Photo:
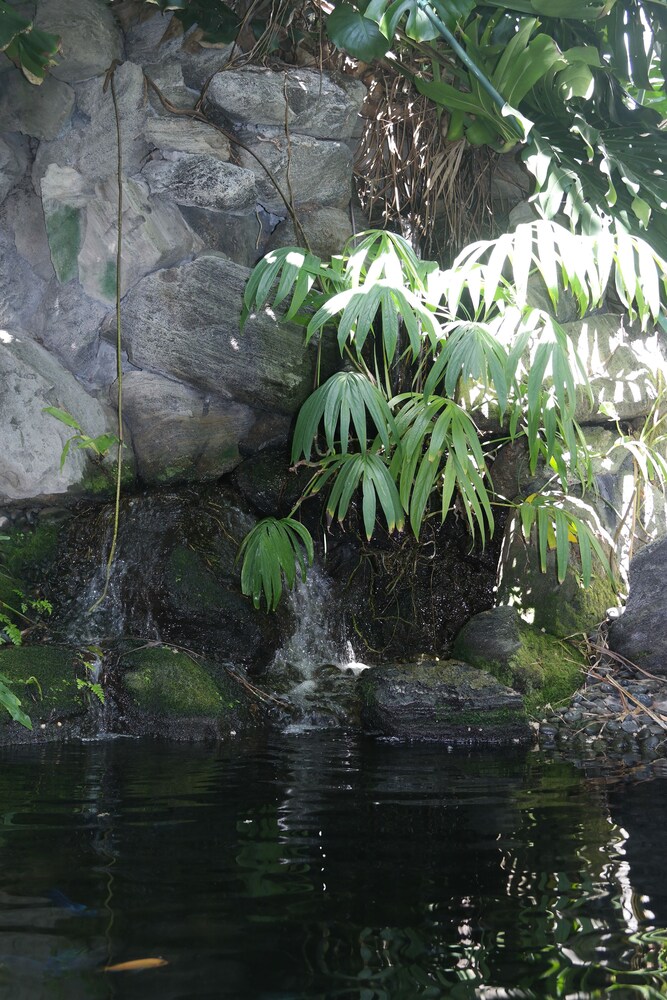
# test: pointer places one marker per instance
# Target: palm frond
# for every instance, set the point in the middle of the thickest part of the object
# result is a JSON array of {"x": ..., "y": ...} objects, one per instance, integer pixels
[
  {"x": 346, "y": 399},
  {"x": 273, "y": 553}
]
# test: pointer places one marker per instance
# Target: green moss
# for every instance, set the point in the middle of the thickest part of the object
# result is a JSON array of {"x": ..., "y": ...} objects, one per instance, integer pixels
[
  {"x": 545, "y": 670},
  {"x": 470, "y": 718},
  {"x": 108, "y": 283},
  {"x": 63, "y": 230},
  {"x": 100, "y": 480},
  {"x": 165, "y": 682},
  {"x": 53, "y": 693},
  {"x": 574, "y": 608}
]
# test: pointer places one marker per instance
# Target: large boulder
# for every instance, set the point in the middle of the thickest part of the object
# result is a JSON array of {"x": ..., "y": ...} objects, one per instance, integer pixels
[
  {"x": 184, "y": 322},
  {"x": 201, "y": 181},
  {"x": 171, "y": 695},
  {"x": 89, "y": 144},
  {"x": 640, "y": 633},
  {"x": 89, "y": 36},
  {"x": 305, "y": 101},
  {"x": 310, "y": 171},
  {"x": 41, "y": 112},
  {"x": 30, "y": 380},
  {"x": 448, "y": 702},
  {"x": 81, "y": 223},
  {"x": 180, "y": 433},
  {"x": 44, "y": 679}
]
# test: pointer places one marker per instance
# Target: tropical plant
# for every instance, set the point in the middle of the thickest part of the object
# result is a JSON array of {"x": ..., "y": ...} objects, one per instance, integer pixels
[
  {"x": 471, "y": 343},
  {"x": 98, "y": 445},
  {"x": 33, "y": 51},
  {"x": 579, "y": 86}
]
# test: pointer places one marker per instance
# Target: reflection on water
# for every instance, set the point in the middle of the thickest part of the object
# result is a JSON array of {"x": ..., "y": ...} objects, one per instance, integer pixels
[{"x": 321, "y": 867}]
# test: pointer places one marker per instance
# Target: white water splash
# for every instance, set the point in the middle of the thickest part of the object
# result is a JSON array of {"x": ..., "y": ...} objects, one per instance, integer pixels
[
  {"x": 318, "y": 638},
  {"x": 317, "y": 643}
]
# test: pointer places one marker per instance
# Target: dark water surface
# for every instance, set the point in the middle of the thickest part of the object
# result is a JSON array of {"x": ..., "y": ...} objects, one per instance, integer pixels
[{"x": 323, "y": 866}]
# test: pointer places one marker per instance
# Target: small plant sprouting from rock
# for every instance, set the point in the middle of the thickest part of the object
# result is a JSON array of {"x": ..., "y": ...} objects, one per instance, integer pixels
[{"x": 99, "y": 445}]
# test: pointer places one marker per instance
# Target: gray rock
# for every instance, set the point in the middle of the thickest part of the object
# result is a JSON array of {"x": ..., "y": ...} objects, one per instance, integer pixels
[
  {"x": 320, "y": 171},
  {"x": 184, "y": 135},
  {"x": 30, "y": 379},
  {"x": 449, "y": 702},
  {"x": 21, "y": 288},
  {"x": 180, "y": 433},
  {"x": 145, "y": 42},
  {"x": 81, "y": 223},
  {"x": 309, "y": 102},
  {"x": 640, "y": 634},
  {"x": 491, "y": 636},
  {"x": 526, "y": 658},
  {"x": 168, "y": 78},
  {"x": 201, "y": 181},
  {"x": 71, "y": 326},
  {"x": 327, "y": 231},
  {"x": 235, "y": 235},
  {"x": 621, "y": 368},
  {"x": 160, "y": 40},
  {"x": 184, "y": 322},
  {"x": 89, "y": 36},
  {"x": 41, "y": 112},
  {"x": 13, "y": 162},
  {"x": 89, "y": 144},
  {"x": 22, "y": 217}
]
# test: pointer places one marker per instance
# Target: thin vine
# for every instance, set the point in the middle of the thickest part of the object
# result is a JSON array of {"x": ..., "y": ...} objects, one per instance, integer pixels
[{"x": 109, "y": 82}]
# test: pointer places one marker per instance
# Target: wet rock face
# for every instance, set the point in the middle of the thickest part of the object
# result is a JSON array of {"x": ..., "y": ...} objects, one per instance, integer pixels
[{"x": 443, "y": 701}]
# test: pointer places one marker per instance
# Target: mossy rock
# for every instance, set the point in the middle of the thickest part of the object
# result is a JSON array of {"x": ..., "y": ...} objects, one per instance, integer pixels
[
  {"x": 172, "y": 690},
  {"x": 541, "y": 667},
  {"x": 43, "y": 678},
  {"x": 444, "y": 701},
  {"x": 30, "y": 553}
]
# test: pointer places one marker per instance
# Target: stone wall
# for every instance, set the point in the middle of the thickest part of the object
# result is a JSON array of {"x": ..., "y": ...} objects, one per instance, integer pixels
[{"x": 199, "y": 209}]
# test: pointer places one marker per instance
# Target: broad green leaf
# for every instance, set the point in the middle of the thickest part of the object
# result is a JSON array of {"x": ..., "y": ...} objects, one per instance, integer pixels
[
  {"x": 273, "y": 552},
  {"x": 12, "y": 704},
  {"x": 348, "y": 29}
]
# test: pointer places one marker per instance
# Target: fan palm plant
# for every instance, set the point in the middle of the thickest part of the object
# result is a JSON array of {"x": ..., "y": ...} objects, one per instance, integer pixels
[{"x": 472, "y": 325}]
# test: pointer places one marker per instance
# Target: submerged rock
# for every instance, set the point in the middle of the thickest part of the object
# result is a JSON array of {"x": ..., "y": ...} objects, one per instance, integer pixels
[{"x": 444, "y": 701}]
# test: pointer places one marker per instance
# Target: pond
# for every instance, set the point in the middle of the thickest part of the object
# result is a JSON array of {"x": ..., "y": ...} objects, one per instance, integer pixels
[{"x": 325, "y": 866}]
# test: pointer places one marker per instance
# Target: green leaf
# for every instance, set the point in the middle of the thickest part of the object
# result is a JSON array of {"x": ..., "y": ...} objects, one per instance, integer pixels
[
  {"x": 348, "y": 29},
  {"x": 12, "y": 704},
  {"x": 63, "y": 416},
  {"x": 273, "y": 551},
  {"x": 344, "y": 392}
]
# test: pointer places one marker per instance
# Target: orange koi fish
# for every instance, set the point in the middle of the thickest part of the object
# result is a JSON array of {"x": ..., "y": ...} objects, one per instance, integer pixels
[{"x": 136, "y": 965}]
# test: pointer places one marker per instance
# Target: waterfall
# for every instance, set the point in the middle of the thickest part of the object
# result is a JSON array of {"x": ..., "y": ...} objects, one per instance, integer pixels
[{"x": 314, "y": 667}]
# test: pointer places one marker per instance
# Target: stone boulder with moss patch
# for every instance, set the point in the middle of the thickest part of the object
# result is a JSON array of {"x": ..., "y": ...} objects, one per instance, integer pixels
[
  {"x": 441, "y": 701},
  {"x": 542, "y": 668},
  {"x": 171, "y": 694},
  {"x": 44, "y": 678}
]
